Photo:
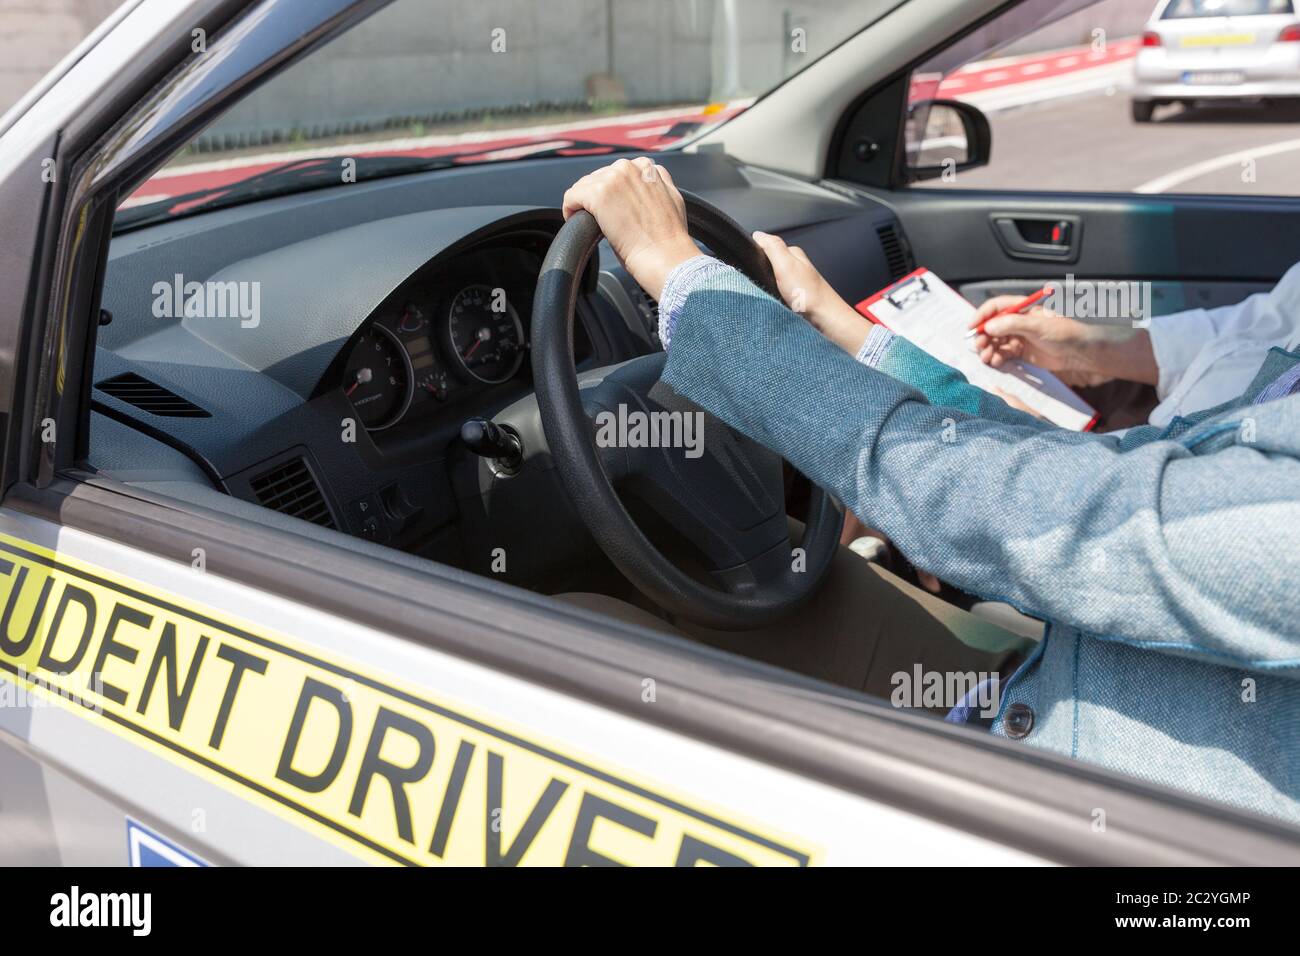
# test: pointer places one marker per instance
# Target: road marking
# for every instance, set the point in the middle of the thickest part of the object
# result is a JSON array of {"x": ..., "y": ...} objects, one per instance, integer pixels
[
  {"x": 518, "y": 152},
  {"x": 652, "y": 131},
  {"x": 1124, "y": 47},
  {"x": 1043, "y": 89},
  {"x": 1179, "y": 176},
  {"x": 141, "y": 199},
  {"x": 1016, "y": 81},
  {"x": 624, "y": 130},
  {"x": 472, "y": 138}
]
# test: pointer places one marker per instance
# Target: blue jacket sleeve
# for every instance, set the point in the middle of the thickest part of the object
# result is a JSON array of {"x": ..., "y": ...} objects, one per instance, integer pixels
[
  {"x": 941, "y": 384},
  {"x": 1150, "y": 545}
]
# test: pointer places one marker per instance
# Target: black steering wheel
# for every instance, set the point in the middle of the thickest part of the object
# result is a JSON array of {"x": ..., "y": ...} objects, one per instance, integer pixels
[{"x": 724, "y": 494}]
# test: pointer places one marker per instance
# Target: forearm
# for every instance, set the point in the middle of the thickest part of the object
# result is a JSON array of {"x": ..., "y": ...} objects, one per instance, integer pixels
[
  {"x": 1060, "y": 524},
  {"x": 871, "y": 344},
  {"x": 1126, "y": 356}
]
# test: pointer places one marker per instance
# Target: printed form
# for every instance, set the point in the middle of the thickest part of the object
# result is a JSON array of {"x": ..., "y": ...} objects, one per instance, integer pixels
[{"x": 927, "y": 312}]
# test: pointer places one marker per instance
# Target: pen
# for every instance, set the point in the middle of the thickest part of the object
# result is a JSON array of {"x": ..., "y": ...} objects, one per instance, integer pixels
[{"x": 1012, "y": 310}]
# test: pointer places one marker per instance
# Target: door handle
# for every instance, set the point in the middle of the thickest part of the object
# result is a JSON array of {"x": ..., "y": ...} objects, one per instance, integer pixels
[{"x": 1038, "y": 236}]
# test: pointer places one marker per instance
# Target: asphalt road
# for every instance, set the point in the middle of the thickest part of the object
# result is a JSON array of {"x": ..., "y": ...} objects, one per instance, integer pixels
[{"x": 1090, "y": 143}]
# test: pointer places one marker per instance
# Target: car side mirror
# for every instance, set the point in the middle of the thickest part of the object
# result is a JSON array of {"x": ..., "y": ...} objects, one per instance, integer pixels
[{"x": 945, "y": 137}]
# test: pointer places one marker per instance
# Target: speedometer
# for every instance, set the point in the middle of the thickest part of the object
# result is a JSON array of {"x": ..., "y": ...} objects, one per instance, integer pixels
[
  {"x": 484, "y": 334},
  {"x": 378, "y": 378}
]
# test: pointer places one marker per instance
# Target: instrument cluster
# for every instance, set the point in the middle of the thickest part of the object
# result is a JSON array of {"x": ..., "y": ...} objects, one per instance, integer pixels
[{"x": 455, "y": 332}]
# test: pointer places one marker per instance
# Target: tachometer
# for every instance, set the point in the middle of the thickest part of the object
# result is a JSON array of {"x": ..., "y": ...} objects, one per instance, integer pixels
[
  {"x": 485, "y": 334},
  {"x": 378, "y": 378}
]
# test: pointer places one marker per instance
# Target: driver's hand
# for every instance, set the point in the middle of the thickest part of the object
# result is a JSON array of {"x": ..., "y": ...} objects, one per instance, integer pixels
[
  {"x": 806, "y": 292},
  {"x": 1016, "y": 403},
  {"x": 1071, "y": 349},
  {"x": 642, "y": 215}
]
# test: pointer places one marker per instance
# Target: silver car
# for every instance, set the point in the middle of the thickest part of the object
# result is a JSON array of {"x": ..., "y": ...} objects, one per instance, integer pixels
[{"x": 1217, "y": 50}]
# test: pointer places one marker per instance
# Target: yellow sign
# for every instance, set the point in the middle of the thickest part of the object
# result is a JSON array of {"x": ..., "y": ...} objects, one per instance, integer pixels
[
  {"x": 1219, "y": 39},
  {"x": 380, "y": 769}
]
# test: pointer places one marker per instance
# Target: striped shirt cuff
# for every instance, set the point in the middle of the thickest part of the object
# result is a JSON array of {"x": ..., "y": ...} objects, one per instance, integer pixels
[
  {"x": 1286, "y": 384},
  {"x": 679, "y": 284},
  {"x": 873, "y": 349}
]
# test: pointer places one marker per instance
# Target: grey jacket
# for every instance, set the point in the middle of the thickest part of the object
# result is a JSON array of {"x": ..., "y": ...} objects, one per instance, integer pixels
[{"x": 1166, "y": 562}]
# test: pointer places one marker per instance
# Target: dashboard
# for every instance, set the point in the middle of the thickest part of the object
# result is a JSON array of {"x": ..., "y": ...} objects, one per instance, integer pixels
[
  {"x": 447, "y": 336},
  {"x": 387, "y": 314}
]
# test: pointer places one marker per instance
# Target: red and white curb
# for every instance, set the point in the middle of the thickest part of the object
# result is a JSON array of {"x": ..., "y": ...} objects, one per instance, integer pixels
[
  {"x": 644, "y": 130},
  {"x": 1008, "y": 82},
  {"x": 991, "y": 85}
]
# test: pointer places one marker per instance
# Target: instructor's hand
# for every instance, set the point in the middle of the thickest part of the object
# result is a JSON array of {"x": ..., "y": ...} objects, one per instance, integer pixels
[
  {"x": 1073, "y": 350},
  {"x": 642, "y": 215}
]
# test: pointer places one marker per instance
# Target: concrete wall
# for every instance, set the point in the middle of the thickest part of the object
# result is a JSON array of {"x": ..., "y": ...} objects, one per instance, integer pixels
[
  {"x": 36, "y": 34},
  {"x": 431, "y": 61},
  {"x": 434, "y": 60}
]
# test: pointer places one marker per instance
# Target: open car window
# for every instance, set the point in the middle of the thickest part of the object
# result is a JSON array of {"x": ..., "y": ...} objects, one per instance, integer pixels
[
  {"x": 1140, "y": 96},
  {"x": 424, "y": 85}
]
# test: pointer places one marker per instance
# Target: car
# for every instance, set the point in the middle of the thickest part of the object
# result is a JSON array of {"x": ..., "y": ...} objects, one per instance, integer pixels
[
  {"x": 1217, "y": 51},
  {"x": 308, "y": 551}
]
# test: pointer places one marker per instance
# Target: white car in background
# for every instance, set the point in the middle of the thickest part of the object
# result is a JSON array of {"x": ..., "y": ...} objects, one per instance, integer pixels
[{"x": 1217, "y": 50}]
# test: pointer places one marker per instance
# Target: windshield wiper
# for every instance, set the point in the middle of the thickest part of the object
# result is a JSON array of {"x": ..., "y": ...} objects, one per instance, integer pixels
[{"x": 320, "y": 172}]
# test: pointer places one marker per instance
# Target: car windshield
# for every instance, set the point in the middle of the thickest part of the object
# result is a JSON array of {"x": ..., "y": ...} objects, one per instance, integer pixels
[
  {"x": 1191, "y": 9},
  {"x": 434, "y": 83}
]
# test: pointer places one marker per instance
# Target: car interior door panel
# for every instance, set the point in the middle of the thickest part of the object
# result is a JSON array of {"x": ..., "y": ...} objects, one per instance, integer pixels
[{"x": 1213, "y": 239}]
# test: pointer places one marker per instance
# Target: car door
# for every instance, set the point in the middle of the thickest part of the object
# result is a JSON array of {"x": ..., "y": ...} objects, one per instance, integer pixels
[
  {"x": 191, "y": 687},
  {"x": 1199, "y": 206}
]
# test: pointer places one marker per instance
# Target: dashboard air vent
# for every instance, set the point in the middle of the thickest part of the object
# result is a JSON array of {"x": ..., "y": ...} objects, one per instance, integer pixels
[
  {"x": 291, "y": 489},
  {"x": 150, "y": 397},
  {"x": 649, "y": 310},
  {"x": 898, "y": 255}
]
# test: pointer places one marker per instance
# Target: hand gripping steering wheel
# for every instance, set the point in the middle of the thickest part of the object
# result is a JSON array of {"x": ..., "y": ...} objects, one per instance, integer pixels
[{"x": 726, "y": 496}]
